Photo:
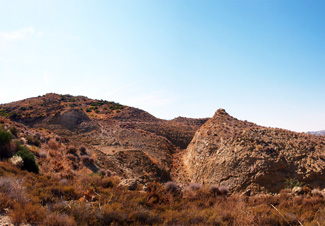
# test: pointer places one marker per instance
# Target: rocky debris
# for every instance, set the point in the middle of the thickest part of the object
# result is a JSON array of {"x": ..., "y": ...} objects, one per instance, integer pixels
[
  {"x": 16, "y": 161},
  {"x": 6, "y": 221},
  {"x": 297, "y": 190},
  {"x": 316, "y": 192},
  {"x": 131, "y": 184},
  {"x": 247, "y": 192},
  {"x": 137, "y": 164},
  {"x": 71, "y": 119},
  {"x": 241, "y": 155}
]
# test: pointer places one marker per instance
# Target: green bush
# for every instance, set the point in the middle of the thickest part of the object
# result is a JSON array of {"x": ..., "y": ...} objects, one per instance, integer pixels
[
  {"x": 6, "y": 149},
  {"x": 5, "y": 137},
  {"x": 293, "y": 182},
  {"x": 29, "y": 160}
]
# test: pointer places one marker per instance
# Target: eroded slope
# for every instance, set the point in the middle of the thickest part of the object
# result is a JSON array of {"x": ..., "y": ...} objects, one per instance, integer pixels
[{"x": 240, "y": 154}]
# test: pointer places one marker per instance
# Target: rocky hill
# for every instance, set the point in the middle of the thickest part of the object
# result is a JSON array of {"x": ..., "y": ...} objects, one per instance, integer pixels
[
  {"x": 136, "y": 145},
  {"x": 126, "y": 140},
  {"x": 243, "y": 155},
  {"x": 71, "y": 160}
]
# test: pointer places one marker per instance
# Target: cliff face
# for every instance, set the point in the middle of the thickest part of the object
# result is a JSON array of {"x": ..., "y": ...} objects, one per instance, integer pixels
[{"x": 243, "y": 155}]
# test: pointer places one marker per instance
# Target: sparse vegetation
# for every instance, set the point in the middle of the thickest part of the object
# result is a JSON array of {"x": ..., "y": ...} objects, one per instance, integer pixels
[{"x": 95, "y": 200}]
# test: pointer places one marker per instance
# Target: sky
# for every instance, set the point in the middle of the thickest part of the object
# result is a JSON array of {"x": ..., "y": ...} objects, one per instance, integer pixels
[{"x": 261, "y": 60}]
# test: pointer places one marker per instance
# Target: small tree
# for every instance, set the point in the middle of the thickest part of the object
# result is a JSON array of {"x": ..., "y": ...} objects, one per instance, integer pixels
[
  {"x": 29, "y": 160},
  {"x": 5, "y": 137},
  {"x": 6, "y": 150}
]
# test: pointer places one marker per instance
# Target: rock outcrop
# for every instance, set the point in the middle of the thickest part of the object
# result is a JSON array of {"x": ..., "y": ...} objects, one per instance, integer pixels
[{"x": 242, "y": 155}]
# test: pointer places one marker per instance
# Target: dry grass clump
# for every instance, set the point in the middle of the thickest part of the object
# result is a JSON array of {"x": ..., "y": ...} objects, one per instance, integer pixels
[
  {"x": 53, "y": 144},
  {"x": 72, "y": 150},
  {"x": 194, "y": 186},
  {"x": 102, "y": 172},
  {"x": 27, "y": 213},
  {"x": 71, "y": 157},
  {"x": 219, "y": 190},
  {"x": 42, "y": 154},
  {"x": 109, "y": 173},
  {"x": 171, "y": 186},
  {"x": 87, "y": 159},
  {"x": 56, "y": 219},
  {"x": 223, "y": 190},
  {"x": 82, "y": 149}
]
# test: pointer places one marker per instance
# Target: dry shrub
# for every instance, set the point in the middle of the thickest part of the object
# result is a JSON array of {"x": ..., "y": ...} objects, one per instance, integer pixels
[
  {"x": 72, "y": 150},
  {"x": 82, "y": 149},
  {"x": 34, "y": 213},
  {"x": 87, "y": 159},
  {"x": 33, "y": 140},
  {"x": 5, "y": 201},
  {"x": 71, "y": 157},
  {"x": 12, "y": 187},
  {"x": 14, "y": 131},
  {"x": 115, "y": 180},
  {"x": 27, "y": 213},
  {"x": 214, "y": 189},
  {"x": 56, "y": 219},
  {"x": 75, "y": 165},
  {"x": 107, "y": 183},
  {"x": 17, "y": 215},
  {"x": 223, "y": 190},
  {"x": 42, "y": 154},
  {"x": 102, "y": 172},
  {"x": 67, "y": 192},
  {"x": 194, "y": 186},
  {"x": 83, "y": 213},
  {"x": 53, "y": 144},
  {"x": 111, "y": 214},
  {"x": 64, "y": 181},
  {"x": 109, "y": 173},
  {"x": 171, "y": 186},
  {"x": 316, "y": 192}
]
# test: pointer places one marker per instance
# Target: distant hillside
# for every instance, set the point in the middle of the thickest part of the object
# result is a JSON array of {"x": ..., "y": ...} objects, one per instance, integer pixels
[{"x": 320, "y": 133}]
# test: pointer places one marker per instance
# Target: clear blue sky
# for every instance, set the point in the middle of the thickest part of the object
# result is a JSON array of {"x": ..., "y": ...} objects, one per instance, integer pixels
[{"x": 263, "y": 61}]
